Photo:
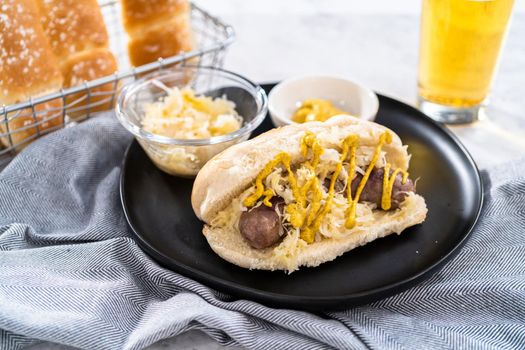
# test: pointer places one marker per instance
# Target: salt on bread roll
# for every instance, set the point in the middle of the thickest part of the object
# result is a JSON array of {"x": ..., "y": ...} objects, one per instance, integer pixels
[
  {"x": 156, "y": 29},
  {"x": 225, "y": 177},
  {"x": 28, "y": 68},
  {"x": 73, "y": 26},
  {"x": 79, "y": 39},
  {"x": 87, "y": 66}
]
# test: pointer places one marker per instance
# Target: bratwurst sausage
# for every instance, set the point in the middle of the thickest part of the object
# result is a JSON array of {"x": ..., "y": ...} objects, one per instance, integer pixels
[
  {"x": 261, "y": 226},
  {"x": 373, "y": 190}
]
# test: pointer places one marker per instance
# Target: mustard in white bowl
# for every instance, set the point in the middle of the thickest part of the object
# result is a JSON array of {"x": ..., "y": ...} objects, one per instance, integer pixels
[{"x": 318, "y": 97}]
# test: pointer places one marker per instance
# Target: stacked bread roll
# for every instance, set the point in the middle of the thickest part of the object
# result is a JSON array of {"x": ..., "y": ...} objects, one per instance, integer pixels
[
  {"x": 47, "y": 45},
  {"x": 28, "y": 68},
  {"x": 78, "y": 37},
  {"x": 156, "y": 29}
]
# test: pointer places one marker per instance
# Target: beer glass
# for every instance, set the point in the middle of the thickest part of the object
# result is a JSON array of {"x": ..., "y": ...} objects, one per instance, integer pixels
[{"x": 460, "y": 44}]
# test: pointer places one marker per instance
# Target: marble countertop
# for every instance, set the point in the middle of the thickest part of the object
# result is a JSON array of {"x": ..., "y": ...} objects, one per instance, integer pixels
[
  {"x": 381, "y": 52},
  {"x": 377, "y": 46}
]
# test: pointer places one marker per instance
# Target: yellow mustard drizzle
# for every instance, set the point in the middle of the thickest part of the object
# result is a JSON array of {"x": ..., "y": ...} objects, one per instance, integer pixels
[
  {"x": 310, "y": 224},
  {"x": 259, "y": 187},
  {"x": 385, "y": 137},
  {"x": 309, "y": 143},
  {"x": 296, "y": 210},
  {"x": 349, "y": 144},
  {"x": 268, "y": 194},
  {"x": 388, "y": 185}
]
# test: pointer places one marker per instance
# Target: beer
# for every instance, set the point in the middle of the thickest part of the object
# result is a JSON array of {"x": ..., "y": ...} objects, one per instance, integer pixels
[{"x": 459, "y": 48}]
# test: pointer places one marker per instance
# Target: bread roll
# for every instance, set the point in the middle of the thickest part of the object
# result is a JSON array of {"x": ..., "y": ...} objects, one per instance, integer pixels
[
  {"x": 28, "y": 68},
  {"x": 156, "y": 29},
  {"x": 226, "y": 177},
  {"x": 161, "y": 41},
  {"x": 73, "y": 26},
  {"x": 26, "y": 125},
  {"x": 138, "y": 14},
  {"x": 86, "y": 66},
  {"x": 79, "y": 39}
]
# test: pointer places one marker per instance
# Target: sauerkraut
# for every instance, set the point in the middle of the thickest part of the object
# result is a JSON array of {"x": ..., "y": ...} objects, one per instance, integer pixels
[{"x": 183, "y": 115}]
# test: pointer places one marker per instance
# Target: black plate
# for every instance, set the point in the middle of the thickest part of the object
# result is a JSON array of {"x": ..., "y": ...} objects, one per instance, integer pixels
[{"x": 158, "y": 210}]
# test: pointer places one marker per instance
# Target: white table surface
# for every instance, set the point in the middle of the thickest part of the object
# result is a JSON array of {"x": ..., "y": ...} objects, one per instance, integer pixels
[{"x": 375, "y": 43}]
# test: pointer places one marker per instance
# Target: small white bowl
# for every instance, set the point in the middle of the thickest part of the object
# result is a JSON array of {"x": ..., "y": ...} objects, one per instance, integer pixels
[{"x": 345, "y": 94}]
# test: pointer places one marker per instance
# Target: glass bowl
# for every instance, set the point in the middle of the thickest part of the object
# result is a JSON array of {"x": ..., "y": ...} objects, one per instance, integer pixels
[{"x": 185, "y": 157}]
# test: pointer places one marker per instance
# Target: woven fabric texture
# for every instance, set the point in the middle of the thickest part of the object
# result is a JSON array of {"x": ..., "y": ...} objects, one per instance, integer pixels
[{"x": 71, "y": 273}]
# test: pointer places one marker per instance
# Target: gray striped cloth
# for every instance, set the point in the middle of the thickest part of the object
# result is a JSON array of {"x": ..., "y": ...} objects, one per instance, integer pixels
[{"x": 71, "y": 274}]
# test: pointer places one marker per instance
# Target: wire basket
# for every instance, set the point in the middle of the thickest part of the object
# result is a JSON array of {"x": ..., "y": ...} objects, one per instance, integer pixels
[{"x": 45, "y": 114}]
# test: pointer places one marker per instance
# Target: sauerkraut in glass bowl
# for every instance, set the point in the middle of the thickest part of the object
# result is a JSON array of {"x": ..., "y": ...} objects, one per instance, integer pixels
[{"x": 184, "y": 116}]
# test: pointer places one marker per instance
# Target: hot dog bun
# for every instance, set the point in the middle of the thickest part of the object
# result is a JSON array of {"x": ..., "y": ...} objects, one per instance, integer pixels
[
  {"x": 231, "y": 246},
  {"x": 230, "y": 173}
]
